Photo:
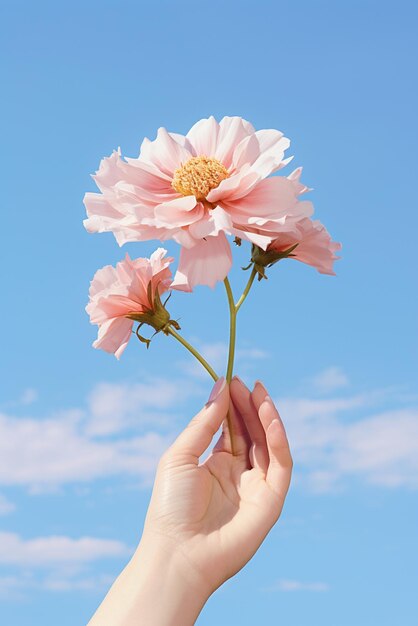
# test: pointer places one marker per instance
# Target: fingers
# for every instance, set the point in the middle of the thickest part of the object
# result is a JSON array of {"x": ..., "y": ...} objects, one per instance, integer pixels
[
  {"x": 280, "y": 460},
  {"x": 241, "y": 398},
  {"x": 241, "y": 439},
  {"x": 258, "y": 394},
  {"x": 197, "y": 436},
  {"x": 280, "y": 469}
]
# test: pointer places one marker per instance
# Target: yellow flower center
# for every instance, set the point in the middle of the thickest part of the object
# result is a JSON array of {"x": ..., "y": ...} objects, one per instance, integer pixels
[{"x": 198, "y": 176}]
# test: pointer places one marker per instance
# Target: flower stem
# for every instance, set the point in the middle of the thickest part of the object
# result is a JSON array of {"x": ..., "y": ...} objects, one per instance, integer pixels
[
  {"x": 233, "y": 310},
  {"x": 193, "y": 350},
  {"x": 246, "y": 290},
  {"x": 232, "y": 329}
]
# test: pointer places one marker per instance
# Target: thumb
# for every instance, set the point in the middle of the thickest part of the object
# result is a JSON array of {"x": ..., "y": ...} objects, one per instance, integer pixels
[{"x": 197, "y": 436}]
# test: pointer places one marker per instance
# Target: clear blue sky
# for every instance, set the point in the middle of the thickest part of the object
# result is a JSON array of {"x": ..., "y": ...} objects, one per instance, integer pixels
[{"x": 80, "y": 432}]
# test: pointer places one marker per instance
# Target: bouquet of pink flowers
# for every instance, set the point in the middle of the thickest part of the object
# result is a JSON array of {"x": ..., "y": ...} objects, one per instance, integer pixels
[{"x": 197, "y": 189}]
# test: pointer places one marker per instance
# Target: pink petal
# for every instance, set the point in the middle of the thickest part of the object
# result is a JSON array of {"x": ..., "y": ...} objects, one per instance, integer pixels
[
  {"x": 271, "y": 197},
  {"x": 203, "y": 137},
  {"x": 165, "y": 152},
  {"x": 114, "y": 335},
  {"x": 211, "y": 224},
  {"x": 246, "y": 152},
  {"x": 315, "y": 246},
  {"x": 101, "y": 214},
  {"x": 206, "y": 263},
  {"x": 179, "y": 212},
  {"x": 235, "y": 186},
  {"x": 109, "y": 171},
  {"x": 232, "y": 130},
  {"x": 259, "y": 239}
]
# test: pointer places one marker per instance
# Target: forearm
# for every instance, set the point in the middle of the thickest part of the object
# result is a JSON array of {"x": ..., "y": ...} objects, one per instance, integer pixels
[{"x": 156, "y": 588}]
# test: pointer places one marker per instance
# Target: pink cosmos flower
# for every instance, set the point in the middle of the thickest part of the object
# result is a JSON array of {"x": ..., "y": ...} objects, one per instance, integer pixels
[
  {"x": 197, "y": 188},
  {"x": 129, "y": 292},
  {"x": 308, "y": 242}
]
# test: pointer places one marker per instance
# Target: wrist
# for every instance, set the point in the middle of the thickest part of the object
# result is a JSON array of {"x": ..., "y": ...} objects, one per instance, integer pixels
[
  {"x": 169, "y": 589},
  {"x": 158, "y": 587}
]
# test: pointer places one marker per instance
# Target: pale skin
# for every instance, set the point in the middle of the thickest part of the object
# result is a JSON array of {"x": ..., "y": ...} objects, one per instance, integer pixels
[{"x": 205, "y": 520}]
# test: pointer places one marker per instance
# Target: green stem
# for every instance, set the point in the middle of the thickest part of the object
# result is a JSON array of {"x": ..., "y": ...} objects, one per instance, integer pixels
[
  {"x": 232, "y": 329},
  {"x": 246, "y": 290},
  {"x": 233, "y": 310},
  {"x": 193, "y": 350}
]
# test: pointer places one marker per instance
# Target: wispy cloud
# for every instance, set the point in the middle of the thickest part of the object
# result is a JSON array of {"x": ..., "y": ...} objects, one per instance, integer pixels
[
  {"x": 6, "y": 506},
  {"x": 53, "y": 550},
  {"x": 55, "y": 563},
  {"x": 15, "y": 587},
  {"x": 124, "y": 429},
  {"x": 330, "y": 379},
  {"x": 55, "y": 451},
  {"x": 331, "y": 443},
  {"x": 29, "y": 396},
  {"x": 217, "y": 355},
  {"x": 297, "y": 585},
  {"x": 113, "y": 407}
]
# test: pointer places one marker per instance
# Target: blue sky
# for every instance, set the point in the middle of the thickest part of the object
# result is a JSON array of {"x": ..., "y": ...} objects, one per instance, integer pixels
[{"x": 80, "y": 432}]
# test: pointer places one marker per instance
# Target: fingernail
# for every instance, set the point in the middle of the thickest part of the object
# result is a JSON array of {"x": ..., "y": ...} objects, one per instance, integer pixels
[
  {"x": 218, "y": 388},
  {"x": 260, "y": 384},
  {"x": 237, "y": 378},
  {"x": 275, "y": 425}
]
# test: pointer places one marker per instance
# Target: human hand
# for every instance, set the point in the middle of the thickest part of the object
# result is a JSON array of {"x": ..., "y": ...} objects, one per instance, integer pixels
[
  {"x": 205, "y": 521},
  {"x": 216, "y": 514}
]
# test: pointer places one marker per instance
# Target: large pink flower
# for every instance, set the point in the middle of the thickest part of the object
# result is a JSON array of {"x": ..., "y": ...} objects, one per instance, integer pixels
[
  {"x": 197, "y": 188},
  {"x": 130, "y": 291},
  {"x": 308, "y": 241}
]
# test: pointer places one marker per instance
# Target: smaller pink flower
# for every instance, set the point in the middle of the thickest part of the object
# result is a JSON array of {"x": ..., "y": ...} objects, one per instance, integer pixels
[
  {"x": 129, "y": 292},
  {"x": 308, "y": 241}
]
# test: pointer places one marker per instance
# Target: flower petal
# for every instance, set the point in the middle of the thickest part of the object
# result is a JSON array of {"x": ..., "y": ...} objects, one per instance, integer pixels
[
  {"x": 314, "y": 245},
  {"x": 271, "y": 197},
  {"x": 101, "y": 214},
  {"x": 235, "y": 186},
  {"x": 206, "y": 263},
  {"x": 211, "y": 224},
  {"x": 178, "y": 212},
  {"x": 113, "y": 335},
  {"x": 164, "y": 152},
  {"x": 232, "y": 130},
  {"x": 203, "y": 137}
]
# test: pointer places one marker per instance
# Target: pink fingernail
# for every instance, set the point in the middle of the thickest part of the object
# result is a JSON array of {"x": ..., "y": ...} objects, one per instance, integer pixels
[
  {"x": 238, "y": 379},
  {"x": 258, "y": 382},
  {"x": 218, "y": 388}
]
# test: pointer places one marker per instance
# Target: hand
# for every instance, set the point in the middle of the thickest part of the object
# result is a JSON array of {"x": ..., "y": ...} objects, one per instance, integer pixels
[
  {"x": 205, "y": 521},
  {"x": 217, "y": 514}
]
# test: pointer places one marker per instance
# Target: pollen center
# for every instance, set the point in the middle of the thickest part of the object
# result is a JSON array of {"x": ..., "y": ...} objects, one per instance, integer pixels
[{"x": 198, "y": 176}]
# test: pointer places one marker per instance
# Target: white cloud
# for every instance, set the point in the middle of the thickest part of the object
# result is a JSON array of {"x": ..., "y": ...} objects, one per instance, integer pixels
[
  {"x": 113, "y": 407},
  {"x": 125, "y": 428},
  {"x": 330, "y": 379},
  {"x": 59, "y": 583},
  {"x": 29, "y": 396},
  {"x": 57, "y": 550},
  {"x": 217, "y": 356},
  {"x": 296, "y": 585},
  {"x": 15, "y": 587},
  {"x": 330, "y": 445},
  {"x": 6, "y": 506},
  {"x": 55, "y": 563},
  {"x": 55, "y": 451}
]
